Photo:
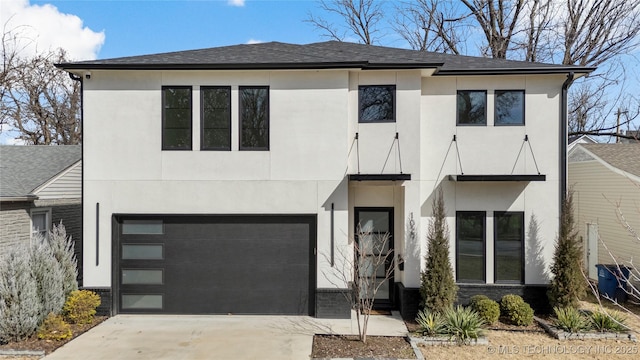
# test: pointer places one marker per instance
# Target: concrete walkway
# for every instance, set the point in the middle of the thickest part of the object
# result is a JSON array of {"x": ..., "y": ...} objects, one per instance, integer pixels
[{"x": 213, "y": 337}]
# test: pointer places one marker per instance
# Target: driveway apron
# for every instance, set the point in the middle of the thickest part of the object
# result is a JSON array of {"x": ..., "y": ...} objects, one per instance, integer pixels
[{"x": 213, "y": 336}]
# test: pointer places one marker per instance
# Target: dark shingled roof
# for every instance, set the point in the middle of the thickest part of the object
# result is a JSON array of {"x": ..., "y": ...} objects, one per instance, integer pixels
[
  {"x": 24, "y": 168},
  {"x": 625, "y": 157},
  {"x": 322, "y": 55}
]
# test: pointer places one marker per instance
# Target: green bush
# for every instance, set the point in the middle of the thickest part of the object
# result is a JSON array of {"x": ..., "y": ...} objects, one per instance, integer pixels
[
  {"x": 570, "y": 319},
  {"x": 488, "y": 310},
  {"x": 81, "y": 306},
  {"x": 463, "y": 324},
  {"x": 475, "y": 298},
  {"x": 438, "y": 287},
  {"x": 516, "y": 310},
  {"x": 431, "y": 323},
  {"x": 54, "y": 328},
  {"x": 567, "y": 283},
  {"x": 602, "y": 321}
]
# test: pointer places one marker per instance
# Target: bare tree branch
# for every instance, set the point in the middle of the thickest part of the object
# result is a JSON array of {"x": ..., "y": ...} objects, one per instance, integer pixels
[{"x": 361, "y": 18}]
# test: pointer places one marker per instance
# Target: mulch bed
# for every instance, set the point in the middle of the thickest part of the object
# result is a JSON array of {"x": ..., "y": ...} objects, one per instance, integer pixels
[
  {"x": 343, "y": 346},
  {"x": 48, "y": 346}
]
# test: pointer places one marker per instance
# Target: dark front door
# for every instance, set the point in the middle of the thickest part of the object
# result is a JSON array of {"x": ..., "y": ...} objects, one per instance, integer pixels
[
  {"x": 374, "y": 233},
  {"x": 215, "y": 264}
]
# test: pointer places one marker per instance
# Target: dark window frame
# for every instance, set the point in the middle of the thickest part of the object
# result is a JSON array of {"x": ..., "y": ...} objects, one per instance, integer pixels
[
  {"x": 190, "y": 88},
  {"x": 495, "y": 248},
  {"x": 202, "y": 144},
  {"x": 240, "y": 119},
  {"x": 393, "y": 92},
  {"x": 484, "y": 248},
  {"x": 495, "y": 106},
  {"x": 458, "y": 112}
]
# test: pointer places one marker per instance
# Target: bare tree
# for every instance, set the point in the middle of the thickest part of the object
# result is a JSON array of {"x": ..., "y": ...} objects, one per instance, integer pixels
[
  {"x": 360, "y": 19},
  {"x": 570, "y": 32},
  {"x": 38, "y": 101},
  {"x": 360, "y": 270}
]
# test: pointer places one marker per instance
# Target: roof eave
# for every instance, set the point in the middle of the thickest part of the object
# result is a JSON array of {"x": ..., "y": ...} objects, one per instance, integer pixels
[
  {"x": 29, "y": 197},
  {"x": 519, "y": 71},
  {"x": 365, "y": 65}
]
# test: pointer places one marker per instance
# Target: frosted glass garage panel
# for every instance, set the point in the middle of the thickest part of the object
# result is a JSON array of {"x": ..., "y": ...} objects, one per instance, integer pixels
[
  {"x": 142, "y": 227},
  {"x": 141, "y": 301},
  {"x": 142, "y": 276},
  {"x": 142, "y": 252}
]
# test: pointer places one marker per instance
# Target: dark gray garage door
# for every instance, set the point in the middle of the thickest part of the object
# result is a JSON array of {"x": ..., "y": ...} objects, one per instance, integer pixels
[{"x": 214, "y": 264}]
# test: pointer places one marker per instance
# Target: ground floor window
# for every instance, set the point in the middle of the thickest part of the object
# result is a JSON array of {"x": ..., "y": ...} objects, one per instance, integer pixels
[
  {"x": 509, "y": 250},
  {"x": 470, "y": 246},
  {"x": 40, "y": 223}
]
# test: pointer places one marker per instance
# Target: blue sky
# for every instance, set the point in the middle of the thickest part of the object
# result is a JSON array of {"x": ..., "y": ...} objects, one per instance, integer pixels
[{"x": 152, "y": 26}]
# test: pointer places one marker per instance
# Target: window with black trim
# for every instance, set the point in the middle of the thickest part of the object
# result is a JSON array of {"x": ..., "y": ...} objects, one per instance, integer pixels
[
  {"x": 254, "y": 117},
  {"x": 509, "y": 107},
  {"x": 176, "y": 118},
  {"x": 471, "y": 107},
  {"x": 376, "y": 103},
  {"x": 470, "y": 246},
  {"x": 509, "y": 247},
  {"x": 215, "y": 119}
]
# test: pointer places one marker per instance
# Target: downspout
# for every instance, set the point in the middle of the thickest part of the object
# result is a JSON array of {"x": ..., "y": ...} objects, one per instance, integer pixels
[
  {"x": 75, "y": 77},
  {"x": 563, "y": 135}
]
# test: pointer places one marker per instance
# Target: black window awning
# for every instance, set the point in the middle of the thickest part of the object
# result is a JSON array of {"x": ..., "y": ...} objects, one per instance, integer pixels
[
  {"x": 379, "y": 177},
  {"x": 493, "y": 177}
]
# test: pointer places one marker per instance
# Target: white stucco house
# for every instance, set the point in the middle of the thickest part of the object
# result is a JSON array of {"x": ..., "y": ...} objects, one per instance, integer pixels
[{"x": 232, "y": 179}]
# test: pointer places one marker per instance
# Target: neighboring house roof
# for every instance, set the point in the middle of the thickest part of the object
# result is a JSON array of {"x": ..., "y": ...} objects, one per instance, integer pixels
[
  {"x": 581, "y": 139},
  {"x": 322, "y": 55},
  {"x": 624, "y": 157},
  {"x": 25, "y": 168}
]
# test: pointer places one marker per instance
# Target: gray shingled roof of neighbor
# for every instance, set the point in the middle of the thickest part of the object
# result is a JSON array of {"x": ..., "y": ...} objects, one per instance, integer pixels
[
  {"x": 322, "y": 55},
  {"x": 24, "y": 168},
  {"x": 625, "y": 157}
]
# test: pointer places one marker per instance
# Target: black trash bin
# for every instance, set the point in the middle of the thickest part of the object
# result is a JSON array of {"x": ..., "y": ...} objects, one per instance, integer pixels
[{"x": 612, "y": 281}]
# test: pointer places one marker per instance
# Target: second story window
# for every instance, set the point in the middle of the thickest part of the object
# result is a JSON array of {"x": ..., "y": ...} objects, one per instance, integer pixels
[
  {"x": 254, "y": 117},
  {"x": 509, "y": 107},
  {"x": 215, "y": 133},
  {"x": 176, "y": 118},
  {"x": 376, "y": 103},
  {"x": 472, "y": 107}
]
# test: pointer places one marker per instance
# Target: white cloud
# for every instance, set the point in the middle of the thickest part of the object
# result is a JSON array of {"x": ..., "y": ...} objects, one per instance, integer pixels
[
  {"x": 235, "y": 2},
  {"x": 43, "y": 28},
  {"x": 254, "y": 41}
]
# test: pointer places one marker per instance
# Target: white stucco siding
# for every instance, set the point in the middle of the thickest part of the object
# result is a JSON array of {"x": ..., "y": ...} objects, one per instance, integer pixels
[
  {"x": 493, "y": 150},
  {"x": 376, "y": 151},
  {"x": 130, "y": 174}
]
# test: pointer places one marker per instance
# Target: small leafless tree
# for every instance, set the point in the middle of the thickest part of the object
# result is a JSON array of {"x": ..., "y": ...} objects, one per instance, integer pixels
[{"x": 365, "y": 267}]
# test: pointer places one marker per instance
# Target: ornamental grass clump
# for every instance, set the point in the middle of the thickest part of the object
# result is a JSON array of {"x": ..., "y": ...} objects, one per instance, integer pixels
[
  {"x": 570, "y": 319},
  {"x": 431, "y": 323},
  {"x": 463, "y": 324},
  {"x": 613, "y": 321}
]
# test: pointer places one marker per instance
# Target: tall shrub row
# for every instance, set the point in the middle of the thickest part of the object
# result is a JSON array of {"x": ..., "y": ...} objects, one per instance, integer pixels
[{"x": 35, "y": 281}]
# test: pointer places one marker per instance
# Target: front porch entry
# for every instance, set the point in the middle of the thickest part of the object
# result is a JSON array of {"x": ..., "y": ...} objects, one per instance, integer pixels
[{"x": 374, "y": 233}]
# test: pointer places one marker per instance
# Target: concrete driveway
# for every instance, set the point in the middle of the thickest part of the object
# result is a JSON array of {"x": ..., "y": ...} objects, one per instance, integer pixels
[{"x": 212, "y": 337}]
